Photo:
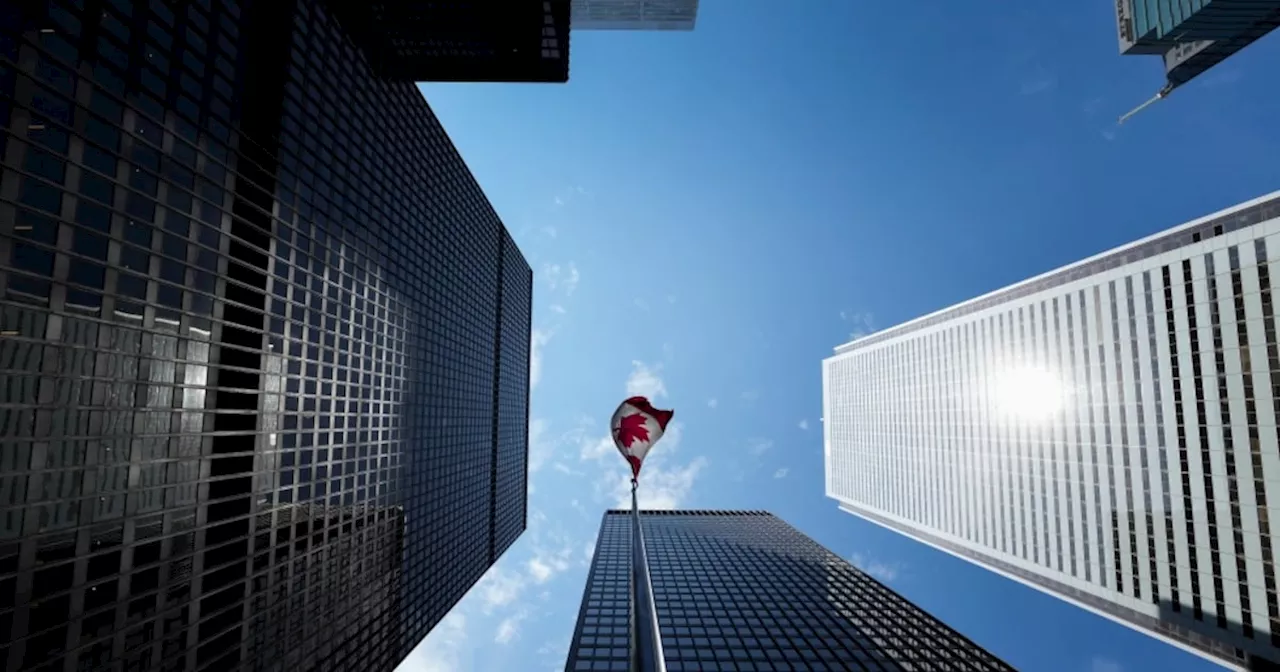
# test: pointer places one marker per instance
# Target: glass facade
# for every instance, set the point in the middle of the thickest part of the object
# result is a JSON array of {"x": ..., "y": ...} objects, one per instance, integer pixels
[
  {"x": 461, "y": 40},
  {"x": 264, "y": 345},
  {"x": 1105, "y": 432},
  {"x": 634, "y": 14},
  {"x": 744, "y": 591},
  {"x": 1192, "y": 35}
]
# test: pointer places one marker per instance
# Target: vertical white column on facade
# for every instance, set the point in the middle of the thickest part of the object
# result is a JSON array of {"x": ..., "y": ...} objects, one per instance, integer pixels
[
  {"x": 1174, "y": 307},
  {"x": 1053, "y": 440},
  {"x": 881, "y": 457},
  {"x": 1113, "y": 512},
  {"x": 1149, "y": 436},
  {"x": 975, "y": 485},
  {"x": 991, "y": 432},
  {"x": 1221, "y": 424},
  {"x": 933, "y": 433},
  {"x": 1216, "y": 508},
  {"x": 1070, "y": 358},
  {"x": 1065, "y": 435},
  {"x": 1267, "y": 419},
  {"x": 1100, "y": 473},
  {"x": 1257, "y": 365},
  {"x": 904, "y": 504},
  {"x": 960, "y": 420},
  {"x": 1036, "y": 450},
  {"x": 1045, "y": 467},
  {"x": 1133, "y": 520},
  {"x": 1089, "y": 548},
  {"x": 947, "y": 495},
  {"x": 1020, "y": 445},
  {"x": 920, "y": 396},
  {"x": 1199, "y": 511},
  {"x": 1008, "y": 487}
]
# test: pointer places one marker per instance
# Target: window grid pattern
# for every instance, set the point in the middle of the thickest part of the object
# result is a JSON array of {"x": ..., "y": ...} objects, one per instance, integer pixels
[
  {"x": 1150, "y": 361},
  {"x": 265, "y": 398},
  {"x": 742, "y": 590}
]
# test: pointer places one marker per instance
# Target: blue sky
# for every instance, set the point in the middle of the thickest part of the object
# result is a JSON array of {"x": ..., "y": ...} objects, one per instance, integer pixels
[{"x": 708, "y": 214}]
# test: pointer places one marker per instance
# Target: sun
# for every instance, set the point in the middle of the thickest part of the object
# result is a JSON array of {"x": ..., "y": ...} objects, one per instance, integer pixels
[{"x": 1028, "y": 393}]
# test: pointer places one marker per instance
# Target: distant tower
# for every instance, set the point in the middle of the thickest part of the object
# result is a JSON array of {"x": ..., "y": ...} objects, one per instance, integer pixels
[
  {"x": 1105, "y": 432},
  {"x": 744, "y": 590},
  {"x": 633, "y": 14},
  {"x": 1192, "y": 35}
]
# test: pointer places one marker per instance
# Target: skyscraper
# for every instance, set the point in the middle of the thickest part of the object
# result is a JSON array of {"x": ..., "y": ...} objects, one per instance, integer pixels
[
  {"x": 263, "y": 341},
  {"x": 1192, "y": 35},
  {"x": 634, "y": 14},
  {"x": 742, "y": 590},
  {"x": 1105, "y": 432}
]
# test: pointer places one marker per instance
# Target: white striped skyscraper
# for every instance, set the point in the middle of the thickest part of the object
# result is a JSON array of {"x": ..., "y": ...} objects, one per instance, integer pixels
[{"x": 1105, "y": 432}]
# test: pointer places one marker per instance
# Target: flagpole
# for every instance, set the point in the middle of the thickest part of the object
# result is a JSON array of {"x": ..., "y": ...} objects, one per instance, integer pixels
[{"x": 647, "y": 655}]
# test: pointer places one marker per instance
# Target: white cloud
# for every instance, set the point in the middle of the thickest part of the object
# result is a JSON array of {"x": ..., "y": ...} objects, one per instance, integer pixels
[
  {"x": 781, "y": 473},
  {"x": 663, "y": 484},
  {"x": 498, "y": 588},
  {"x": 862, "y": 324},
  {"x": 645, "y": 381},
  {"x": 1101, "y": 664},
  {"x": 537, "y": 339},
  {"x": 549, "y": 231},
  {"x": 568, "y": 196},
  {"x": 539, "y": 446},
  {"x": 1109, "y": 135},
  {"x": 557, "y": 309},
  {"x": 544, "y": 565},
  {"x": 594, "y": 448},
  {"x": 561, "y": 277},
  {"x": 588, "y": 551},
  {"x": 442, "y": 650},
  {"x": 804, "y": 424},
  {"x": 509, "y": 628},
  {"x": 641, "y": 304},
  {"x": 1043, "y": 81},
  {"x": 759, "y": 446},
  {"x": 660, "y": 487},
  {"x": 566, "y": 469},
  {"x": 1092, "y": 106},
  {"x": 712, "y": 402},
  {"x": 750, "y": 395},
  {"x": 881, "y": 571}
]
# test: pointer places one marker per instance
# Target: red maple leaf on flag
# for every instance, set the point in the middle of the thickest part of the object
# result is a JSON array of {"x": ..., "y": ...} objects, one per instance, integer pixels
[{"x": 632, "y": 428}]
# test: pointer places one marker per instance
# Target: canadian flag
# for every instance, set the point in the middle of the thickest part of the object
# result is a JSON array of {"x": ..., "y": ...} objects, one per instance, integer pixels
[{"x": 636, "y": 426}]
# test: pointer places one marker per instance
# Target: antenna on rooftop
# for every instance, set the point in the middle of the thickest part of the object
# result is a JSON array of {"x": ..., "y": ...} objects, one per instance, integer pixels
[{"x": 1168, "y": 88}]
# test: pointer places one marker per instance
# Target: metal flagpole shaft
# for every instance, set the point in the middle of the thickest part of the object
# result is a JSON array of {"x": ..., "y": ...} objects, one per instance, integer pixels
[{"x": 646, "y": 640}]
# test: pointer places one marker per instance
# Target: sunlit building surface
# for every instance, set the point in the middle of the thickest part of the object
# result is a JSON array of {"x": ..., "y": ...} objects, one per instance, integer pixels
[
  {"x": 633, "y": 14},
  {"x": 1105, "y": 432},
  {"x": 264, "y": 345},
  {"x": 1192, "y": 35},
  {"x": 743, "y": 590}
]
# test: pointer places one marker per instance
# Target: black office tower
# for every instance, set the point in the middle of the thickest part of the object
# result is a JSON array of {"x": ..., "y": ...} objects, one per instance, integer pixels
[
  {"x": 743, "y": 590},
  {"x": 264, "y": 344}
]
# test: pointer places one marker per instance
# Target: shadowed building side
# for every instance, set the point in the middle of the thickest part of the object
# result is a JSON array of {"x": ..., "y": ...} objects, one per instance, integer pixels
[
  {"x": 265, "y": 345},
  {"x": 744, "y": 590}
]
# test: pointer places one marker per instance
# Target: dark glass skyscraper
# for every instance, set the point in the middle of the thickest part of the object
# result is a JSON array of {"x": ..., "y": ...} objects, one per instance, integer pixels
[
  {"x": 264, "y": 343},
  {"x": 744, "y": 591},
  {"x": 1192, "y": 35}
]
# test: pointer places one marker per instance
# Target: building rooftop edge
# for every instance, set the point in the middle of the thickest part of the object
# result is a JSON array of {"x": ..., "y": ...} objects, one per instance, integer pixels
[
  {"x": 690, "y": 512},
  {"x": 906, "y": 326}
]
